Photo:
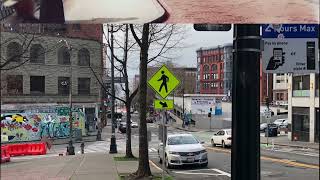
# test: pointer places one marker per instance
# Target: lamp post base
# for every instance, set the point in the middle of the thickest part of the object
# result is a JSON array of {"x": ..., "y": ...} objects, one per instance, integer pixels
[
  {"x": 113, "y": 145},
  {"x": 70, "y": 149},
  {"x": 99, "y": 135}
]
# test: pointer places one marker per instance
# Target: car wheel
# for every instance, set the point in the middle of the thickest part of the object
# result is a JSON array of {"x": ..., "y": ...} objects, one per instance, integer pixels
[
  {"x": 212, "y": 143},
  {"x": 168, "y": 166},
  {"x": 223, "y": 144}
]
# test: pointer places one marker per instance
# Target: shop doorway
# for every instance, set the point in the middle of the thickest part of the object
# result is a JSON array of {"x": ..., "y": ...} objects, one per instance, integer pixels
[
  {"x": 300, "y": 124},
  {"x": 317, "y": 124}
]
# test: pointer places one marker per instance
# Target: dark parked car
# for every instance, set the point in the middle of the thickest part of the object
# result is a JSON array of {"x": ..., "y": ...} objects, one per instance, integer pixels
[
  {"x": 263, "y": 126},
  {"x": 123, "y": 127}
]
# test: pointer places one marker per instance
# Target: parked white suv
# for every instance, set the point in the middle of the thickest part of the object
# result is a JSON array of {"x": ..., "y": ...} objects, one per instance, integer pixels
[
  {"x": 222, "y": 137},
  {"x": 281, "y": 122}
]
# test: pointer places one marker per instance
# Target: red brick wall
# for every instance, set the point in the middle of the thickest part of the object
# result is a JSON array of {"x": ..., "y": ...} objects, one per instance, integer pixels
[
  {"x": 86, "y": 31},
  {"x": 218, "y": 90}
]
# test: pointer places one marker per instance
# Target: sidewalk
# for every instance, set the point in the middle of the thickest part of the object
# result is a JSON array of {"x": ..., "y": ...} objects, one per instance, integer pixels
[
  {"x": 284, "y": 141},
  {"x": 279, "y": 140},
  {"x": 93, "y": 166}
]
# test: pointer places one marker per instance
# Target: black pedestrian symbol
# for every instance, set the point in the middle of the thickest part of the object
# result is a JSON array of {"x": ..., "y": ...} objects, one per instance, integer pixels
[
  {"x": 163, "y": 104},
  {"x": 164, "y": 80}
]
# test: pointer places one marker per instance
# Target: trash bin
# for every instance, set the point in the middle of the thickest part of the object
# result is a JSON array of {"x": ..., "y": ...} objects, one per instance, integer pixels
[
  {"x": 271, "y": 132},
  {"x": 78, "y": 134}
]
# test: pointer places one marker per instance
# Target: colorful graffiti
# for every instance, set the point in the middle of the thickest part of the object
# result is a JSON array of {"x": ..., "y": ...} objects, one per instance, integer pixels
[{"x": 34, "y": 126}]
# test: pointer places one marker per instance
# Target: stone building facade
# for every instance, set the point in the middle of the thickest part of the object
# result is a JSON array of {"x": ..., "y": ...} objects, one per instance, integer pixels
[{"x": 41, "y": 67}]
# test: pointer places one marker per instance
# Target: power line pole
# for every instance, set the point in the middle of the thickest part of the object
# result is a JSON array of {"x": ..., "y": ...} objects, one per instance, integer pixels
[
  {"x": 113, "y": 144},
  {"x": 245, "y": 156}
]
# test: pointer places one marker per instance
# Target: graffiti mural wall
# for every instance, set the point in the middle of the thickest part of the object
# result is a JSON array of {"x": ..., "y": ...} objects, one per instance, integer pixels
[{"x": 34, "y": 126}]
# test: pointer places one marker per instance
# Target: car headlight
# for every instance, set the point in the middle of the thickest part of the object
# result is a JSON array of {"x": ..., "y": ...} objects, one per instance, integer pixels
[
  {"x": 203, "y": 151},
  {"x": 172, "y": 152}
]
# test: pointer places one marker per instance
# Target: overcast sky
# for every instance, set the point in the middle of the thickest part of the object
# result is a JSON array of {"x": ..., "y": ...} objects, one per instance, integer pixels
[
  {"x": 198, "y": 39},
  {"x": 186, "y": 57}
]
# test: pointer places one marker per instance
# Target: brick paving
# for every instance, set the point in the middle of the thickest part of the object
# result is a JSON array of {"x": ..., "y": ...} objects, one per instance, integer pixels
[{"x": 242, "y": 11}]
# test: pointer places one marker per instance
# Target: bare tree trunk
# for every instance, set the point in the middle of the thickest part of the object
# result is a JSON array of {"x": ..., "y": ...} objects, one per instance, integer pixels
[
  {"x": 128, "y": 131},
  {"x": 144, "y": 168},
  {"x": 128, "y": 99}
]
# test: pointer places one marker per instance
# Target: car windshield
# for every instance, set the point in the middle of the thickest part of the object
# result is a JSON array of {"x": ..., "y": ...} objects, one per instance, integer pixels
[{"x": 178, "y": 140}]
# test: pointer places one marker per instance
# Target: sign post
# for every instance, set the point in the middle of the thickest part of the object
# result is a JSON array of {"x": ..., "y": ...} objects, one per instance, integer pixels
[{"x": 163, "y": 82}]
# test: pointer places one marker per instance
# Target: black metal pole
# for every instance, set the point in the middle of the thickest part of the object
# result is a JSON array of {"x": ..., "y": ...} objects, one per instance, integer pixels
[
  {"x": 245, "y": 156},
  {"x": 183, "y": 117},
  {"x": 70, "y": 148},
  {"x": 113, "y": 144}
]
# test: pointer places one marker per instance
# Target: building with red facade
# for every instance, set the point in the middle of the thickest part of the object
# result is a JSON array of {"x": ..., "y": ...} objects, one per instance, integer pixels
[{"x": 214, "y": 70}]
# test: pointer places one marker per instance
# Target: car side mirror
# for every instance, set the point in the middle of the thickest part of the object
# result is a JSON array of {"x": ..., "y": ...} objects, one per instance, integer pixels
[{"x": 202, "y": 142}]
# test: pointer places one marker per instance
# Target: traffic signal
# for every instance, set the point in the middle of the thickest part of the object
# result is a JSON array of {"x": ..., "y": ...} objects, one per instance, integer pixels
[{"x": 209, "y": 114}]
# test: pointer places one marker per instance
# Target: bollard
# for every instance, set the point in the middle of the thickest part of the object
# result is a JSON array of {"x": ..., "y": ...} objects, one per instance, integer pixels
[{"x": 82, "y": 148}]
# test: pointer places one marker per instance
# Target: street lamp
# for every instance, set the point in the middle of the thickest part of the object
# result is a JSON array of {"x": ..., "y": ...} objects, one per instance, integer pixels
[
  {"x": 70, "y": 148},
  {"x": 113, "y": 144}
]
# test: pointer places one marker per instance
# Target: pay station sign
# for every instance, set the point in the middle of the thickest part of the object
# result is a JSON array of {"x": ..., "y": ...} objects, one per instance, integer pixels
[
  {"x": 163, "y": 104},
  {"x": 163, "y": 82},
  {"x": 290, "y": 48}
]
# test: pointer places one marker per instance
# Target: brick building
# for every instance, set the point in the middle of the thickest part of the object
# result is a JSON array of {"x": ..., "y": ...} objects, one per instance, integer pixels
[{"x": 214, "y": 69}]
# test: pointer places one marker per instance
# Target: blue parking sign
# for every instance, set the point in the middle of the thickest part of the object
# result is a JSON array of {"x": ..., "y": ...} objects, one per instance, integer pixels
[{"x": 290, "y": 31}]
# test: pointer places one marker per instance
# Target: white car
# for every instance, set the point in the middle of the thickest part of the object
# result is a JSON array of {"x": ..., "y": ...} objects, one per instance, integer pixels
[
  {"x": 134, "y": 124},
  {"x": 182, "y": 149},
  {"x": 281, "y": 122},
  {"x": 222, "y": 137}
]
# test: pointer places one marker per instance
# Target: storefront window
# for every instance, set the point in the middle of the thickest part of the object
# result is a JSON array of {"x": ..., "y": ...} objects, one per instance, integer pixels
[
  {"x": 301, "y": 86},
  {"x": 317, "y": 85},
  {"x": 300, "y": 124},
  {"x": 317, "y": 124}
]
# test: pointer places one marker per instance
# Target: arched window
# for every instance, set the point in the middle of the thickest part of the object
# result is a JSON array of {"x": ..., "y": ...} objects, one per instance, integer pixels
[
  {"x": 214, "y": 67},
  {"x": 206, "y": 68},
  {"x": 84, "y": 57},
  {"x": 14, "y": 51},
  {"x": 37, "y": 54},
  {"x": 63, "y": 55}
]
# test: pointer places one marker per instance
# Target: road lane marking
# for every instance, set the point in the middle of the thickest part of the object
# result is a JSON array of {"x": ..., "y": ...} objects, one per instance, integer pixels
[
  {"x": 191, "y": 173},
  {"x": 196, "y": 172},
  {"x": 289, "y": 162},
  {"x": 282, "y": 161},
  {"x": 222, "y": 172}
]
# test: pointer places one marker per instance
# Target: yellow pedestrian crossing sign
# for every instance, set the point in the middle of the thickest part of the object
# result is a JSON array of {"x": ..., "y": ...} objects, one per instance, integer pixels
[
  {"x": 163, "y": 82},
  {"x": 163, "y": 104}
]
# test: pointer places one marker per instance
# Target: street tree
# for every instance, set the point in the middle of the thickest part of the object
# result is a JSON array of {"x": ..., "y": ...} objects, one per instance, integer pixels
[
  {"x": 124, "y": 47},
  {"x": 155, "y": 43}
]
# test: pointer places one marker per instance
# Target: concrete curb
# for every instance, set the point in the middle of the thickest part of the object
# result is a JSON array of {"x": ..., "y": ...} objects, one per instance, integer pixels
[
  {"x": 184, "y": 129},
  {"x": 290, "y": 145}
]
